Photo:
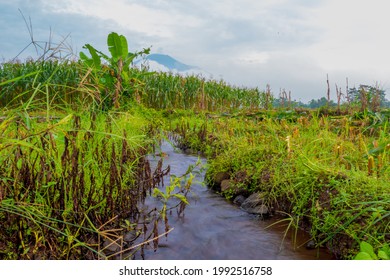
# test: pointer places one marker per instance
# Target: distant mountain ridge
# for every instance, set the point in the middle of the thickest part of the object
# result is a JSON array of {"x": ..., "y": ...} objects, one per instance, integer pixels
[
  {"x": 166, "y": 63},
  {"x": 169, "y": 62}
]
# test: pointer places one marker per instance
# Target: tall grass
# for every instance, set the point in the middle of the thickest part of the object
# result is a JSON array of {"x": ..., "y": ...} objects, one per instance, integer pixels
[
  {"x": 331, "y": 176},
  {"x": 65, "y": 181},
  {"x": 71, "y": 180}
]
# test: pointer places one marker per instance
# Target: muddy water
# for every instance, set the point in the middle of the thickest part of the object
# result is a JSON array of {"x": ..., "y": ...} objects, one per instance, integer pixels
[{"x": 212, "y": 228}]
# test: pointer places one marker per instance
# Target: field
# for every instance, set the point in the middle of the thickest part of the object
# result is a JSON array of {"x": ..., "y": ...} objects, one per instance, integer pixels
[{"x": 74, "y": 136}]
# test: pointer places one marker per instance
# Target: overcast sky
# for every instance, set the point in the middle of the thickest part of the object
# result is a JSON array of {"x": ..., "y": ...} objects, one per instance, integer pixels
[{"x": 289, "y": 44}]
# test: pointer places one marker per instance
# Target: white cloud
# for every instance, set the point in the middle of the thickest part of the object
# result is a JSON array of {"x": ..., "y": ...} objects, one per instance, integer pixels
[
  {"x": 353, "y": 41},
  {"x": 254, "y": 57},
  {"x": 131, "y": 16},
  {"x": 354, "y": 34},
  {"x": 291, "y": 44}
]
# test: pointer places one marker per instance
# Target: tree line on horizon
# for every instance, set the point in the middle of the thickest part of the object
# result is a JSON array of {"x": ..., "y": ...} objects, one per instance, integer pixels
[{"x": 365, "y": 97}]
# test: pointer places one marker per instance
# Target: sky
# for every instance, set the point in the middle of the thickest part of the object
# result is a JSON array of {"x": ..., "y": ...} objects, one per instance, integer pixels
[{"x": 288, "y": 44}]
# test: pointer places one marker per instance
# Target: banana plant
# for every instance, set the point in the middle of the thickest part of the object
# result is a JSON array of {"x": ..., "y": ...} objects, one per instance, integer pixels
[{"x": 115, "y": 70}]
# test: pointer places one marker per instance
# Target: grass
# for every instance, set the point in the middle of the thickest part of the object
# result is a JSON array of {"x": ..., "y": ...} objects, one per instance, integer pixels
[
  {"x": 73, "y": 165},
  {"x": 62, "y": 180},
  {"x": 330, "y": 177},
  {"x": 72, "y": 175}
]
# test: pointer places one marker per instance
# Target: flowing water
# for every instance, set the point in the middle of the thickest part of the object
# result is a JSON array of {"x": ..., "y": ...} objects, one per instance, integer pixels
[{"x": 212, "y": 228}]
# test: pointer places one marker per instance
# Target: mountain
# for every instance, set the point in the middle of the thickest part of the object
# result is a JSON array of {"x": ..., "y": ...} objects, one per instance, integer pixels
[
  {"x": 165, "y": 63},
  {"x": 169, "y": 62}
]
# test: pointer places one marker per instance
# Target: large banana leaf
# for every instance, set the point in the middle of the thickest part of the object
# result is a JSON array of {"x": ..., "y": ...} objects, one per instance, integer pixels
[{"x": 117, "y": 45}]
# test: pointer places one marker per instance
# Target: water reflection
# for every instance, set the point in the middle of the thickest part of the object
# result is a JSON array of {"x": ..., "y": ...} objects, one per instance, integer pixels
[{"x": 212, "y": 228}]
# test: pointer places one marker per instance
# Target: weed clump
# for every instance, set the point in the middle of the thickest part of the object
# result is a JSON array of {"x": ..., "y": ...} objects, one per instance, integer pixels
[{"x": 69, "y": 185}]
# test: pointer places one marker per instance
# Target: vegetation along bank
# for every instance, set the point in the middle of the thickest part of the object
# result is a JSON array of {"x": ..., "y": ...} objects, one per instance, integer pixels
[{"x": 75, "y": 135}]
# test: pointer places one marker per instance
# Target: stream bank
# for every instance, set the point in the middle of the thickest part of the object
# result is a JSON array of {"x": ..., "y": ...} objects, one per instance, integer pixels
[{"x": 213, "y": 228}]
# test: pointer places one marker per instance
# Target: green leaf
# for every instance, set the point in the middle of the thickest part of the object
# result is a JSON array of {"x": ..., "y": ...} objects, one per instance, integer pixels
[
  {"x": 131, "y": 56},
  {"x": 49, "y": 184},
  {"x": 169, "y": 189},
  {"x": 125, "y": 76},
  {"x": 378, "y": 150},
  {"x": 94, "y": 61},
  {"x": 182, "y": 198},
  {"x": 117, "y": 45},
  {"x": 85, "y": 59},
  {"x": 15, "y": 142},
  {"x": 19, "y": 163},
  {"x": 367, "y": 248},
  {"x": 157, "y": 192},
  {"x": 128, "y": 60},
  {"x": 18, "y": 78},
  {"x": 383, "y": 255},
  {"x": 363, "y": 256}
]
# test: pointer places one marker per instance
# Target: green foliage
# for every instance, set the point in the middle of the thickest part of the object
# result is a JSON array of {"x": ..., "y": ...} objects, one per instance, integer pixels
[
  {"x": 115, "y": 76},
  {"x": 94, "y": 61},
  {"x": 42, "y": 79},
  {"x": 367, "y": 97},
  {"x": 65, "y": 178},
  {"x": 168, "y": 91},
  {"x": 316, "y": 169},
  {"x": 117, "y": 45},
  {"x": 66, "y": 172},
  {"x": 170, "y": 194},
  {"x": 367, "y": 252},
  {"x": 177, "y": 190}
]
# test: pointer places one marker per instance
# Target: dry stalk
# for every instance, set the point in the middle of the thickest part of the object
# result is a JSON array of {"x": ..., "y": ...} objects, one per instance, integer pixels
[
  {"x": 142, "y": 243},
  {"x": 370, "y": 165},
  {"x": 328, "y": 92},
  {"x": 118, "y": 85}
]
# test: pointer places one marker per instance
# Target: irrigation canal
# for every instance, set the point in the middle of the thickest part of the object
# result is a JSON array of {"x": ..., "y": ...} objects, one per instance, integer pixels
[{"x": 212, "y": 228}]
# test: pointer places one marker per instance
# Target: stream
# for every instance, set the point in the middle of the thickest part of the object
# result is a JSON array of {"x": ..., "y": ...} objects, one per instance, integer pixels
[{"x": 212, "y": 228}]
